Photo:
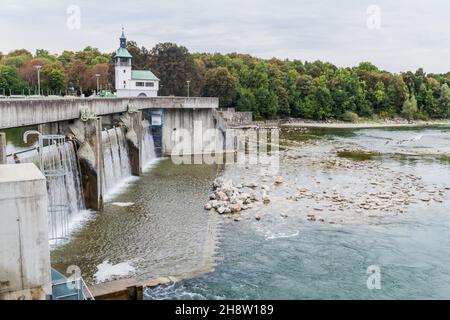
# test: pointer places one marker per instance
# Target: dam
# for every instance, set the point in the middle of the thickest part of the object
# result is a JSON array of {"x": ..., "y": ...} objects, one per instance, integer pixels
[{"x": 84, "y": 147}]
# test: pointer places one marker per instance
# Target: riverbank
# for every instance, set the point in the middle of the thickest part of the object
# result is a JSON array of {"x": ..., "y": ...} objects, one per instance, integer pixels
[{"x": 300, "y": 123}]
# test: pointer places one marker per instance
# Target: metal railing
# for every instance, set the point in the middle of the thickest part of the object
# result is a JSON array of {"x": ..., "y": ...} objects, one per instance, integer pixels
[{"x": 67, "y": 289}]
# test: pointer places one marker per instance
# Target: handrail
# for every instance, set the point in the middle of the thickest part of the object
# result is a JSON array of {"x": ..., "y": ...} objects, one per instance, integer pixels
[{"x": 87, "y": 289}]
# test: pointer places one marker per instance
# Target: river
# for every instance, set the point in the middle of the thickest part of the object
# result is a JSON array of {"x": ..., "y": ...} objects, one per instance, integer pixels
[{"x": 156, "y": 225}]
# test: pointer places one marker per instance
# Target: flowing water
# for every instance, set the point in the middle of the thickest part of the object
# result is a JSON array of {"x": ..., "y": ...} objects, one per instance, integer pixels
[
  {"x": 293, "y": 258},
  {"x": 115, "y": 158},
  {"x": 156, "y": 225},
  {"x": 65, "y": 195}
]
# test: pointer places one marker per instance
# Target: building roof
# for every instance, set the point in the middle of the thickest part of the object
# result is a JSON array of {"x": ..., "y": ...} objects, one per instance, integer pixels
[
  {"x": 123, "y": 53},
  {"x": 143, "y": 75}
]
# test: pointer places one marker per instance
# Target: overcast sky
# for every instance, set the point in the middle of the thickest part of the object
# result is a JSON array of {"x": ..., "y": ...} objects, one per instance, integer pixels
[{"x": 396, "y": 35}]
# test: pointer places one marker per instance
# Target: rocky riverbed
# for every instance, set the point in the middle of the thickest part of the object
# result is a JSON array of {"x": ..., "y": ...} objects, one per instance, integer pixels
[{"x": 317, "y": 182}]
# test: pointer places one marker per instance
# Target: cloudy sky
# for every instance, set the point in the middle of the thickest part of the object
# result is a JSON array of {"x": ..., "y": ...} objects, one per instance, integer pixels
[{"x": 396, "y": 35}]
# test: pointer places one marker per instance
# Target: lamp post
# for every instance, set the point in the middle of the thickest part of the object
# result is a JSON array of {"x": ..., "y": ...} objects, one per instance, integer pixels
[
  {"x": 188, "y": 83},
  {"x": 39, "y": 78},
  {"x": 97, "y": 75}
]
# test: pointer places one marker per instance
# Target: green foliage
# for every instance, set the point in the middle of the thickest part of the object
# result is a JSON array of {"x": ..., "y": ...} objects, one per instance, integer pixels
[
  {"x": 444, "y": 101},
  {"x": 174, "y": 66},
  {"x": 10, "y": 80},
  {"x": 56, "y": 79},
  {"x": 350, "y": 116},
  {"x": 410, "y": 109},
  {"x": 219, "y": 82},
  {"x": 269, "y": 88}
]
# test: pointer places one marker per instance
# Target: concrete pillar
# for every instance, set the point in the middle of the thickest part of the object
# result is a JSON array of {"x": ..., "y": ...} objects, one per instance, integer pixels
[
  {"x": 90, "y": 155},
  {"x": 24, "y": 251},
  {"x": 134, "y": 138},
  {"x": 2, "y": 148}
]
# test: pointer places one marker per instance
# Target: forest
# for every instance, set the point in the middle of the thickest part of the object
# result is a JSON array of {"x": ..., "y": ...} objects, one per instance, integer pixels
[{"x": 270, "y": 88}]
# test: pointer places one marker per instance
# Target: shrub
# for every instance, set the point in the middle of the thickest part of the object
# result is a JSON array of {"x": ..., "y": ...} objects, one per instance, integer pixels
[{"x": 349, "y": 116}]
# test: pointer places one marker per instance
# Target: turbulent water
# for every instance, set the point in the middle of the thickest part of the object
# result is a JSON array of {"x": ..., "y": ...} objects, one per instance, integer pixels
[
  {"x": 65, "y": 195},
  {"x": 115, "y": 158},
  {"x": 155, "y": 227}
]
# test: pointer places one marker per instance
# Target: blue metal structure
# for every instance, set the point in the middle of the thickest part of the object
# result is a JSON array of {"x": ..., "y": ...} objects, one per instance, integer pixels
[
  {"x": 65, "y": 289},
  {"x": 155, "y": 118}
]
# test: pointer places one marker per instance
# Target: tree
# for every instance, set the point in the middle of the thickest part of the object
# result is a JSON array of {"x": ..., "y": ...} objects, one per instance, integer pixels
[
  {"x": 174, "y": 65},
  {"x": 56, "y": 80},
  {"x": 410, "y": 109},
  {"x": 444, "y": 101},
  {"x": 101, "y": 69},
  {"x": 221, "y": 83},
  {"x": 28, "y": 71},
  {"x": 79, "y": 74},
  {"x": 10, "y": 80}
]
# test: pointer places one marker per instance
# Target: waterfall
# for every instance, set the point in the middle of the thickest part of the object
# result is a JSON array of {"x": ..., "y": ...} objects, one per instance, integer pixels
[
  {"x": 115, "y": 158},
  {"x": 148, "y": 148},
  {"x": 64, "y": 190}
]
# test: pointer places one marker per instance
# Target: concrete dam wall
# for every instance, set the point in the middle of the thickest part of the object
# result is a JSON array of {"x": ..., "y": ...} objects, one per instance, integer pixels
[{"x": 108, "y": 140}]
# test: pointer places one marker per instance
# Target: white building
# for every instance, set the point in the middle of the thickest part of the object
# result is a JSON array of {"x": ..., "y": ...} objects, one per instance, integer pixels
[{"x": 133, "y": 83}]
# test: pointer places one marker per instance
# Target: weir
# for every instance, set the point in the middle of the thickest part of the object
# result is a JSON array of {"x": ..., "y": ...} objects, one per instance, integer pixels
[
  {"x": 94, "y": 144},
  {"x": 110, "y": 139}
]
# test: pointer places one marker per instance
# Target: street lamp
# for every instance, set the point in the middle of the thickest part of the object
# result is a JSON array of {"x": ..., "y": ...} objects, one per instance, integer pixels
[
  {"x": 188, "y": 82},
  {"x": 98, "y": 77},
  {"x": 39, "y": 77}
]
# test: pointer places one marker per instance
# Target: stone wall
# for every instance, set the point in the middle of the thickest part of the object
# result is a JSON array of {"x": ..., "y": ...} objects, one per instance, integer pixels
[{"x": 234, "y": 118}]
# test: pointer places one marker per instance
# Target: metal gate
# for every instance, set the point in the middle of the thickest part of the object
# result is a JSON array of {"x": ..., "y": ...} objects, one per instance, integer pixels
[
  {"x": 53, "y": 164},
  {"x": 155, "y": 118}
]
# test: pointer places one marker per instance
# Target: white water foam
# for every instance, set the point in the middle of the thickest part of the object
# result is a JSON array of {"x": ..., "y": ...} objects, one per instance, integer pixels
[
  {"x": 122, "y": 204},
  {"x": 107, "y": 271}
]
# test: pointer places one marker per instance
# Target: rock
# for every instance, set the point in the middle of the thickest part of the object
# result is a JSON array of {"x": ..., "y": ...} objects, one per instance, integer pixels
[
  {"x": 236, "y": 207},
  {"x": 208, "y": 206},
  {"x": 221, "y": 210},
  {"x": 257, "y": 217},
  {"x": 236, "y": 217},
  {"x": 212, "y": 196},
  {"x": 264, "y": 187},
  {"x": 251, "y": 185},
  {"x": 222, "y": 196},
  {"x": 283, "y": 215},
  {"x": 278, "y": 181},
  {"x": 215, "y": 204}
]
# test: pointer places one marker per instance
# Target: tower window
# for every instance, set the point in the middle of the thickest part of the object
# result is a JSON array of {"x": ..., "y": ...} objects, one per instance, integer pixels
[
  {"x": 124, "y": 71},
  {"x": 149, "y": 84}
]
